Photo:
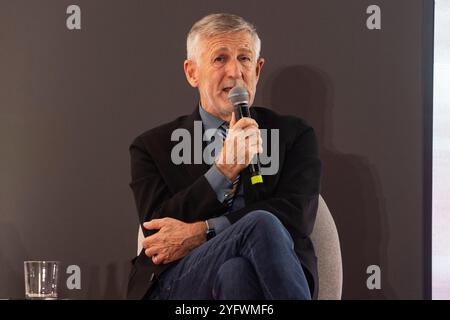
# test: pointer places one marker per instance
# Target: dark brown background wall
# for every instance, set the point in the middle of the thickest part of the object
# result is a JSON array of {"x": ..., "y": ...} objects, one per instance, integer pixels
[{"x": 72, "y": 101}]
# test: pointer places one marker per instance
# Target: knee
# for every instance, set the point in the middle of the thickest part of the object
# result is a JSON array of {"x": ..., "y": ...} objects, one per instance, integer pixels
[
  {"x": 263, "y": 217},
  {"x": 265, "y": 220},
  {"x": 268, "y": 224}
]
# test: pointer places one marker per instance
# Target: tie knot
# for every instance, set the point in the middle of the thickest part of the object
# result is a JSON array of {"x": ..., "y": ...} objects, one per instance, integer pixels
[{"x": 222, "y": 130}]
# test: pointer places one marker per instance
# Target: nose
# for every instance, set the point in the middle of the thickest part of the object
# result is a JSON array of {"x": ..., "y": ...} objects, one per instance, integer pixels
[{"x": 233, "y": 69}]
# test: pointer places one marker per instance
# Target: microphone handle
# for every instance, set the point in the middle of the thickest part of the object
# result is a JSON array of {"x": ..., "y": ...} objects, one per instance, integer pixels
[{"x": 242, "y": 110}]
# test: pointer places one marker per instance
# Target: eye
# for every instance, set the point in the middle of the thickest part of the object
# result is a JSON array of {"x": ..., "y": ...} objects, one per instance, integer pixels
[
  {"x": 245, "y": 58},
  {"x": 219, "y": 59}
]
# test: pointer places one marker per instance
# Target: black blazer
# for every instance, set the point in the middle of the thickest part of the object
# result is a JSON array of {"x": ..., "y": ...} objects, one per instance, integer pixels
[{"x": 163, "y": 189}]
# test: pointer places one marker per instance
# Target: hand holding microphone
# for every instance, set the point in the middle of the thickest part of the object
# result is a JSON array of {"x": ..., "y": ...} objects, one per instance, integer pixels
[{"x": 243, "y": 141}]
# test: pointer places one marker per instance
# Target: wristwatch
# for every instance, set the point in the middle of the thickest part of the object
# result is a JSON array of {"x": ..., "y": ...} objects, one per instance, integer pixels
[{"x": 210, "y": 231}]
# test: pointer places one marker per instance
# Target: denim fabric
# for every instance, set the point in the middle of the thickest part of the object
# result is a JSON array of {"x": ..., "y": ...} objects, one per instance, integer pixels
[{"x": 253, "y": 258}]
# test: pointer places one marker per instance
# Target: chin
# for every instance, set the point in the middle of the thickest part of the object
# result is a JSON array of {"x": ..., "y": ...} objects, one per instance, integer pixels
[
  {"x": 224, "y": 111},
  {"x": 227, "y": 109},
  {"x": 225, "y": 106}
]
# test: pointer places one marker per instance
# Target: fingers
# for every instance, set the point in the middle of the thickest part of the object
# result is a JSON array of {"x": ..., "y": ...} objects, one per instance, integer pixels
[
  {"x": 255, "y": 141},
  {"x": 155, "y": 223},
  {"x": 240, "y": 146},
  {"x": 233, "y": 119},
  {"x": 242, "y": 151},
  {"x": 244, "y": 129},
  {"x": 242, "y": 123},
  {"x": 150, "y": 252},
  {"x": 160, "y": 259},
  {"x": 252, "y": 133},
  {"x": 156, "y": 254},
  {"x": 156, "y": 259},
  {"x": 241, "y": 133},
  {"x": 243, "y": 139},
  {"x": 152, "y": 242},
  {"x": 152, "y": 224}
]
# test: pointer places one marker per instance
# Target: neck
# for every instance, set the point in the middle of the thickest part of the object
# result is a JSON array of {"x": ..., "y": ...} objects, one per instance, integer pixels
[{"x": 211, "y": 110}]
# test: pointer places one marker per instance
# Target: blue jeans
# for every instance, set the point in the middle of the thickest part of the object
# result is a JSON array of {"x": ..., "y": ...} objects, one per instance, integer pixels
[{"x": 253, "y": 258}]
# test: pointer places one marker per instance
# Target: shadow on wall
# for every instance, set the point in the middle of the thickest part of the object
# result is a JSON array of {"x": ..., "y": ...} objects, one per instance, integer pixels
[
  {"x": 12, "y": 256},
  {"x": 350, "y": 184}
]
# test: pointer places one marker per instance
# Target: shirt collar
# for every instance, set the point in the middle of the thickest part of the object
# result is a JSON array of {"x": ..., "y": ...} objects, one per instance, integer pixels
[{"x": 209, "y": 121}]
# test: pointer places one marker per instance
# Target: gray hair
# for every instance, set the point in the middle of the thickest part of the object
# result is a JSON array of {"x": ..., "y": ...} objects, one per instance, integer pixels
[{"x": 217, "y": 24}]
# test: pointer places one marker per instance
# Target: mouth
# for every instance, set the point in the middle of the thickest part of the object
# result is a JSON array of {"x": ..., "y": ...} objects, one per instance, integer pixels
[{"x": 227, "y": 89}]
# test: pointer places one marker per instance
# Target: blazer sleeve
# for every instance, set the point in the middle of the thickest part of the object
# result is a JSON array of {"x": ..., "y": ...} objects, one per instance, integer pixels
[
  {"x": 295, "y": 199},
  {"x": 154, "y": 199}
]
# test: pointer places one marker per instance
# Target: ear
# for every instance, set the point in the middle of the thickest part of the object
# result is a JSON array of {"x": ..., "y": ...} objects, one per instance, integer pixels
[
  {"x": 259, "y": 65},
  {"x": 190, "y": 70}
]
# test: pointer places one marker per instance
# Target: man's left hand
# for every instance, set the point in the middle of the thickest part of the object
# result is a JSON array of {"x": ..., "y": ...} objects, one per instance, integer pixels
[{"x": 174, "y": 240}]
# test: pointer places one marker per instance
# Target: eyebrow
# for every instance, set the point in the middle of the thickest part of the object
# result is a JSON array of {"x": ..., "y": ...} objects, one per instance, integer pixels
[{"x": 226, "y": 49}]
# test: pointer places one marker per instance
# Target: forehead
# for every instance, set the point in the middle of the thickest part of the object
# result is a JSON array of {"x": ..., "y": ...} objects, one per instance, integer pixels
[{"x": 228, "y": 41}]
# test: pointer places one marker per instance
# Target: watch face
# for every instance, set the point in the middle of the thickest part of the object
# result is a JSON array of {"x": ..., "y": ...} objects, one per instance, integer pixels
[{"x": 211, "y": 233}]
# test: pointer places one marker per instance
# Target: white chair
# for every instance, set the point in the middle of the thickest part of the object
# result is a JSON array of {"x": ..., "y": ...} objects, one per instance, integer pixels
[{"x": 328, "y": 251}]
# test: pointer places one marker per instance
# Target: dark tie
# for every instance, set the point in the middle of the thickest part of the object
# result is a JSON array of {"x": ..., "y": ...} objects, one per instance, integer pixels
[{"x": 222, "y": 132}]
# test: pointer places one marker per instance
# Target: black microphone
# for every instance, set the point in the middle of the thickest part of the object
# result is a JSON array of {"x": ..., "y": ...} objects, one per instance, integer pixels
[{"x": 239, "y": 98}]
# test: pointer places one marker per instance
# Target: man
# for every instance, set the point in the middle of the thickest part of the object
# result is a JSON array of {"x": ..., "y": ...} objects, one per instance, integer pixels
[{"x": 210, "y": 233}]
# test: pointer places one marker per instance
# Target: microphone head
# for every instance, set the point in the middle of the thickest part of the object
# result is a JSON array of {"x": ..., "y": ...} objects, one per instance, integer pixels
[{"x": 238, "y": 95}]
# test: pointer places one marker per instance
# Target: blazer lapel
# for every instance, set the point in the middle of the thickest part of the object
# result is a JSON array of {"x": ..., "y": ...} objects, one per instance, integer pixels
[
  {"x": 193, "y": 170},
  {"x": 253, "y": 193}
]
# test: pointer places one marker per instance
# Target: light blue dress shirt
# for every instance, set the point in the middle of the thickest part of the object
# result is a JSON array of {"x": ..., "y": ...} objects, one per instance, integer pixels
[{"x": 219, "y": 183}]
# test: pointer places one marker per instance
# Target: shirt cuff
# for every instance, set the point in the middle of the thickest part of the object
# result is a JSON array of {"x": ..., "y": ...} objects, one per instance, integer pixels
[
  {"x": 219, "y": 183},
  {"x": 219, "y": 224}
]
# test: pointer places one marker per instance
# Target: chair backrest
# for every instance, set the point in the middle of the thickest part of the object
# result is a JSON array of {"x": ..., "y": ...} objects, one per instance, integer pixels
[
  {"x": 328, "y": 250},
  {"x": 139, "y": 241}
]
